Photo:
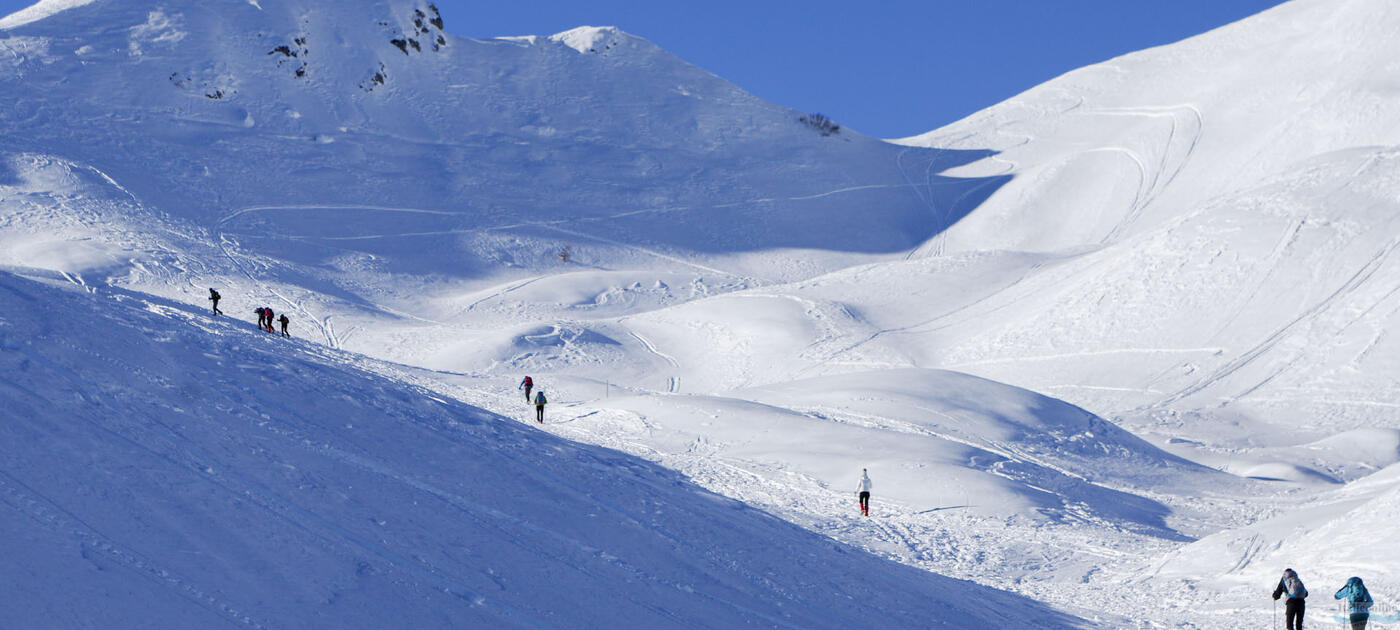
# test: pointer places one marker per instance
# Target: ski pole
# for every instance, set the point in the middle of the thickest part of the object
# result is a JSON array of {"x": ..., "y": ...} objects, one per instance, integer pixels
[{"x": 1275, "y": 614}]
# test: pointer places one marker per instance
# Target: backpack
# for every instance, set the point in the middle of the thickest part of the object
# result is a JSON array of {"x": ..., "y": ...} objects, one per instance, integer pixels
[
  {"x": 1296, "y": 588},
  {"x": 528, "y": 382},
  {"x": 213, "y": 295},
  {"x": 540, "y": 399},
  {"x": 1357, "y": 594}
]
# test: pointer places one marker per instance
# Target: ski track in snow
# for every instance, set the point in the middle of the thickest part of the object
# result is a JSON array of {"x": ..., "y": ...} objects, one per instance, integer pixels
[
  {"x": 1153, "y": 181},
  {"x": 324, "y": 324},
  {"x": 1000, "y": 292},
  {"x": 1088, "y": 353},
  {"x": 1174, "y": 158},
  {"x": 514, "y": 286},
  {"x": 556, "y": 225},
  {"x": 551, "y": 225},
  {"x": 672, "y": 382},
  {"x": 923, "y": 191},
  {"x": 645, "y": 250},
  {"x": 1272, "y": 339}
]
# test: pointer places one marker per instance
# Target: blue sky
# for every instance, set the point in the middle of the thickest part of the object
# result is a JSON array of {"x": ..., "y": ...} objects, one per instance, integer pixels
[{"x": 887, "y": 68}]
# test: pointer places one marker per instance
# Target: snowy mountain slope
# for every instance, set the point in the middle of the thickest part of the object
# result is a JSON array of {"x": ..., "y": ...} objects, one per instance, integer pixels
[
  {"x": 466, "y": 171},
  {"x": 1275, "y": 302},
  {"x": 1204, "y": 117},
  {"x": 1334, "y": 538},
  {"x": 936, "y": 440},
  {"x": 1235, "y": 306},
  {"x": 1263, "y": 206},
  {"x": 190, "y": 471},
  {"x": 993, "y": 491},
  {"x": 1204, "y": 223},
  {"x": 479, "y": 128},
  {"x": 1196, "y": 242}
]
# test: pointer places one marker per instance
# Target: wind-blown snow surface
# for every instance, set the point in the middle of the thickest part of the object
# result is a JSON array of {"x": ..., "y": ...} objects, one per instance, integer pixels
[
  {"x": 186, "y": 471},
  {"x": 1193, "y": 245}
]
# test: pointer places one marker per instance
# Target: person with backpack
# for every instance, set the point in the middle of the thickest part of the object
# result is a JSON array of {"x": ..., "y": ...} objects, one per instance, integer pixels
[
  {"x": 262, "y": 316},
  {"x": 863, "y": 492},
  {"x": 214, "y": 297},
  {"x": 1358, "y": 602},
  {"x": 1294, "y": 608},
  {"x": 284, "y": 321},
  {"x": 540, "y": 402},
  {"x": 526, "y": 385},
  {"x": 267, "y": 310}
]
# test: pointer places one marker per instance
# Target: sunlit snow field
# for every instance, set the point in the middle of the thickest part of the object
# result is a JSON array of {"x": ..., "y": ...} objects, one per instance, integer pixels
[{"x": 1115, "y": 352}]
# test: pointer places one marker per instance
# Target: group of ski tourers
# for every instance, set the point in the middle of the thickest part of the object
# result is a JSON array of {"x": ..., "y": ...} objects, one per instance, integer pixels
[
  {"x": 1355, "y": 598},
  {"x": 265, "y": 315},
  {"x": 862, "y": 487},
  {"x": 540, "y": 401}
]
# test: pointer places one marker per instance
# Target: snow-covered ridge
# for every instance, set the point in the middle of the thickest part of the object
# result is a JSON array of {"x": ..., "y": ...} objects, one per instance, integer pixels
[
  {"x": 591, "y": 39},
  {"x": 38, "y": 11}
]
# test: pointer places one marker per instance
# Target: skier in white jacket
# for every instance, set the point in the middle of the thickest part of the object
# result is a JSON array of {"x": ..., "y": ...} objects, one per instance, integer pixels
[{"x": 863, "y": 491}]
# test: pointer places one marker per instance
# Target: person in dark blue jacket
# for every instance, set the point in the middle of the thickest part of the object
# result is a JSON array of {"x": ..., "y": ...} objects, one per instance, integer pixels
[
  {"x": 1358, "y": 602},
  {"x": 1295, "y": 607}
]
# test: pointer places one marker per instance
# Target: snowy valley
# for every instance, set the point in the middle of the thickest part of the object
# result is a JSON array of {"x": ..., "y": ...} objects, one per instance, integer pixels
[{"x": 1115, "y": 351}]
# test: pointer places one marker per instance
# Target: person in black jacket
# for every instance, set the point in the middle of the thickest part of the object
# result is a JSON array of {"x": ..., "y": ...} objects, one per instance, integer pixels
[
  {"x": 1294, "y": 608},
  {"x": 214, "y": 297}
]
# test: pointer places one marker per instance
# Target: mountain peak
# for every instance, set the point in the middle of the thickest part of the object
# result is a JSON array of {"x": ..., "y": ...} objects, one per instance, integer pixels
[{"x": 593, "y": 39}]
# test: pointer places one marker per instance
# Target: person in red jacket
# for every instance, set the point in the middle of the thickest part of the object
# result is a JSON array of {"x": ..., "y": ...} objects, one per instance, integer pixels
[{"x": 526, "y": 385}]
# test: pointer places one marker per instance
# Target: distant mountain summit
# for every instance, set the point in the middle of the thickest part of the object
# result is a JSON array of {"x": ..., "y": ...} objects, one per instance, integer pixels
[
  {"x": 203, "y": 108},
  {"x": 359, "y": 156},
  {"x": 594, "y": 39}
]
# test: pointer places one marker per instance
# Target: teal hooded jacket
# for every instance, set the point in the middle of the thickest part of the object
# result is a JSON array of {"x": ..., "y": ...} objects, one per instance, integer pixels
[{"x": 1358, "y": 598}]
